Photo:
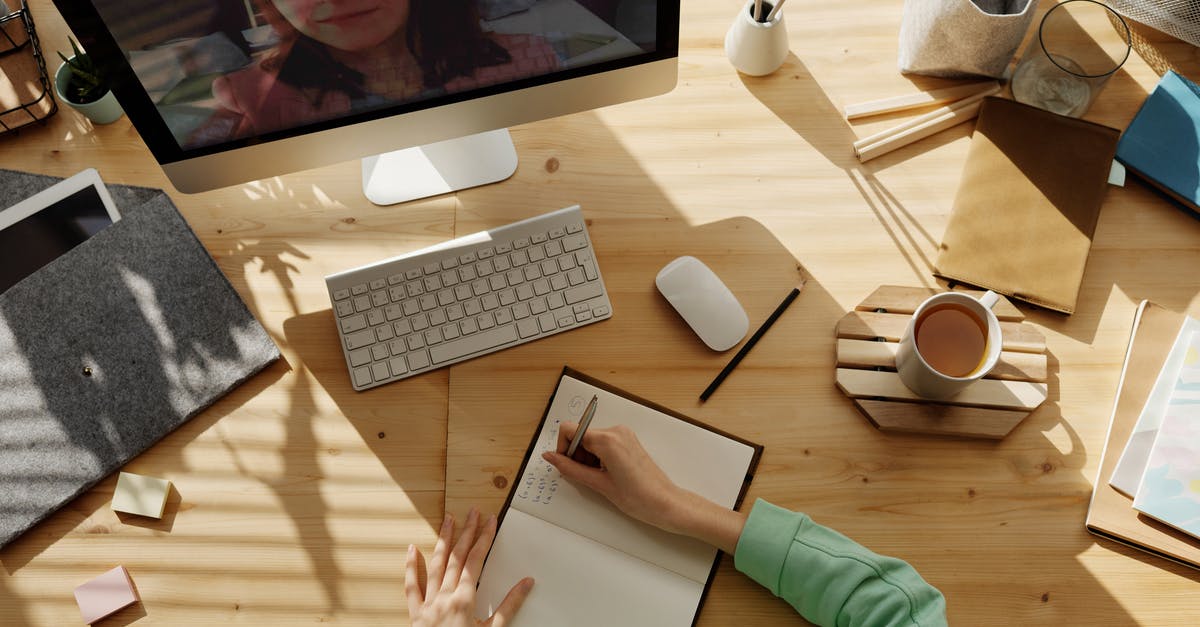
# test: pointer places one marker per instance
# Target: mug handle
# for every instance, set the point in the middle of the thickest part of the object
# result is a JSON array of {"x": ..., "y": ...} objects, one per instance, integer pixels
[{"x": 989, "y": 299}]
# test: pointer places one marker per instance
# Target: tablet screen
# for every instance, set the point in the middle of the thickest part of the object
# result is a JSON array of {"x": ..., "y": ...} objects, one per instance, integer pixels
[{"x": 29, "y": 244}]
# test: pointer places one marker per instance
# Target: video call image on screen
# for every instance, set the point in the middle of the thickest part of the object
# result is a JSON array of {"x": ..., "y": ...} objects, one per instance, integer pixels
[{"x": 222, "y": 70}]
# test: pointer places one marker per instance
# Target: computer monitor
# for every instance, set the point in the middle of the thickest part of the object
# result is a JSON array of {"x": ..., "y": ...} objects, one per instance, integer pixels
[{"x": 229, "y": 91}]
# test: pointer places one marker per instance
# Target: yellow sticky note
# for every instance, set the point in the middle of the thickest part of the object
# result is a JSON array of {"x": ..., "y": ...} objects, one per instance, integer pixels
[{"x": 141, "y": 495}]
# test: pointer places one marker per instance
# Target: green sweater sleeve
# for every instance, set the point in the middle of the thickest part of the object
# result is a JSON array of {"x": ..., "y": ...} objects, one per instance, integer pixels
[{"x": 829, "y": 578}]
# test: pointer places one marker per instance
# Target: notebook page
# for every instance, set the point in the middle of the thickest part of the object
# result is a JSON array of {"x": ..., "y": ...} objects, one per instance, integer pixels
[
  {"x": 579, "y": 582},
  {"x": 697, "y": 459}
]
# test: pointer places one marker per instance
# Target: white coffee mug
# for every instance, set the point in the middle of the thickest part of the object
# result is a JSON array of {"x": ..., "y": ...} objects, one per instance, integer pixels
[{"x": 922, "y": 378}]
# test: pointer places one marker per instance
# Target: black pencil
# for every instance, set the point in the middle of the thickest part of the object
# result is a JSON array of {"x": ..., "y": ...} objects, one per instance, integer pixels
[{"x": 787, "y": 300}]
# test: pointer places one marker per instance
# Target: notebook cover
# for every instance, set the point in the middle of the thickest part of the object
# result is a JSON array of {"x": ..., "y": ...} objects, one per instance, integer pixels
[
  {"x": 1110, "y": 513},
  {"x": 1170, "y": 487},
  {"x": 1162, "y": 143},
  {"x": 1027, "y": 204},
  {"x": 575, "y": 374},
  {"x": 160, "y": 331}
]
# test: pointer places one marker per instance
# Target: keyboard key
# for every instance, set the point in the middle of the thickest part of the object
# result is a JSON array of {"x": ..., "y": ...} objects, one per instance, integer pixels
[
  {"x": 555, "y": 300},
  {"x": 366, "y": 337},
  {"x": 473, "y": 344},
  {"x": 414, "y": 289},
  {"x": 520, "y": 310},
  {"x": 484, "y": 268},
  {"x": 486, "y": 253},
  {"x": 489, "y": 302},
  {"x": 432, "y": 284},
  {"x": 521, "y": 242},
  {"x": 433, "y": 336},
  {"x": 379, "y": 299},
  {"x": 412, "y": 275},
  {"x": 395, "y": 279},
  {"x": 524, "y": 292},
  {"x": 402, "y": 327},
  {"x": 445, "y": 297},
  {"x": 546, "y": 322},
  {"x": 575, "y": 228},
  {"x": 532, "y": 272},
  {"x": 502, "y": 264},
  {"x": 479, "y": 287},
  {"x": 345, "y": 308},
  {"x": 579, "y": 307},
  {"x": 466, "y": 274},
  {"x": 393, "y": 312},
  {"x": 515, "y": 277},
  {"x": 549, "y": 267},
  {"x": 341, "y": 295},
  {"x": 398, "y": 347},
  {"x": 589, "y": 269},
  {"x": 528, "y": 327},
  {"x": 463, "y": 292},
  {"x": 411, "y": 308},
  {"x": 575, "y": 276},
  {"x": 519, "y": 258},
  {"x": 449, "y": 263},
  {"x": 415, "y": 341},
  {"x": 541, "y": 287},
  {"x": 557, "y": 232},
  {"x": 375, "y": 317},
  {"x": 379, "y": 351},
  {"x": 397, "y": 366},
  {"x": 428, "y": 301},
  {"x": 559, "y": 283},
  {"x": 378, "y": 284},
  {"x": 384, "y": 333},
  {"x": 397, "y": 293},
  {"x": 468, "y": 326},
  {"x": 573, "y": 242},
  {"x": 454, "y": 312},
  {"x": 467, "y": 258},
  {"x": 497, "y": 282},
  {"x": 507, "y": 297},
  {"x": 554, "y": 248},
  {"x": 583, "y": 292},
  {"x": 503, "y": 249},
  {"x": 418, "y": 360},
  {"x": 537, "y": 306},
  {"x": 581, "y": 316},
  {"x": 539, "y": 238},
  {"x": 359, "y": 290},
  {"x": 536, "y": 254},
  {"x": 472, "y": 308},
  {"x": 362, "y": 303},
  {"x": 381, "y": 372},
  {"x": 419, "y": 322},
  {"x": 450, "y": 331},
  {"x": 566, "y": 262},
  {"x": 360, "y": 357},
  {"x": 437, "y": 318},
  {"x": 354, "y": 323},
  {"x": 503, "y": 316},
  {"x": 362, "y": 376},
  {"x": 486, "y": 321},
  {"x": 565, "y": 318}
]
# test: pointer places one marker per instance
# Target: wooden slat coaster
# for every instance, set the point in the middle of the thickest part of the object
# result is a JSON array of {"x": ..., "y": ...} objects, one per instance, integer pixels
[{"x": 990, "y": 408}]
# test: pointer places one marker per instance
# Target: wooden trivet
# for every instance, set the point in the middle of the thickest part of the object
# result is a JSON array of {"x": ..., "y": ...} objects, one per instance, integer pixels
[{"x": 989, "y": 408}]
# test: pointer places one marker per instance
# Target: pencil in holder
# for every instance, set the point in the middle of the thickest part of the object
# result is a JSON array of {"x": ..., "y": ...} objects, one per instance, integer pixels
[{"x": 757, "y": 47}]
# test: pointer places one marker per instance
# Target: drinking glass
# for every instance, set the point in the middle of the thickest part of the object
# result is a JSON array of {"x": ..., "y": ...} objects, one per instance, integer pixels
[{"x": 1066, "y": 67}]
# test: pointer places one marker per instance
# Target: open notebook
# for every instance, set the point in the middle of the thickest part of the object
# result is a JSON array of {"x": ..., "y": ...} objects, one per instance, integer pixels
[{"x": 594, "y": 565}]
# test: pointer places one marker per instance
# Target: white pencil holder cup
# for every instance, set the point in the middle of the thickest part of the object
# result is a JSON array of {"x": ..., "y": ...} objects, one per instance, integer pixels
[{"x": 756, "y": 48}]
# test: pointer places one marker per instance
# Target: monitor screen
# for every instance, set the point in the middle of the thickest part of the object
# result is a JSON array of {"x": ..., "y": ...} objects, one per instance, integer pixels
[{"x": 224, "y": 74}]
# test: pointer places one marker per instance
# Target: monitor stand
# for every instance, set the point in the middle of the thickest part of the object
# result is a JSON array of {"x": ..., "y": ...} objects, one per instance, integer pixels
[{"x": 439, "y": 168}]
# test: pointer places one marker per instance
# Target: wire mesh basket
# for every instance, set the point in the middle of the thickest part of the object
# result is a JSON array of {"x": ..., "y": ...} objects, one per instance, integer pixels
[
  {"x": 1177, "y": 18},
  {"x": 26, "y": 95}
]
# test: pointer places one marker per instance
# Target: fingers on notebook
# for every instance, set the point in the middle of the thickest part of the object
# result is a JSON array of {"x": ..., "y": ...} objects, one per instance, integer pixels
[
  {"x": 458, "y": 556},
  {"x": 479, "y": 551},
  {"x": 511, "y": 603}
]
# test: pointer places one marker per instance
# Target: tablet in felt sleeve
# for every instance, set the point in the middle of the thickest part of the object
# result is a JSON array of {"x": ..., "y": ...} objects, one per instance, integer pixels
[
  {"x": 110, "y": 347},
  {"x": 1027, "y": 204}
]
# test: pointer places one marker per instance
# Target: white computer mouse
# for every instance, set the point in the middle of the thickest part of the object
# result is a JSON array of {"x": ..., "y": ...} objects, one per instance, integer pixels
[{"x": 698, "y": 294}]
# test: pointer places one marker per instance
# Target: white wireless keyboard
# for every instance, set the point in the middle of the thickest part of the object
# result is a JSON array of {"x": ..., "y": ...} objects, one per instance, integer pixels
[{"x": 467, "y": 297}]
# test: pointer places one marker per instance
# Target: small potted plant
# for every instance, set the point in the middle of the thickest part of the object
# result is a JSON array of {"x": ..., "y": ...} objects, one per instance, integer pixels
[{"x": 79, "y": 83}]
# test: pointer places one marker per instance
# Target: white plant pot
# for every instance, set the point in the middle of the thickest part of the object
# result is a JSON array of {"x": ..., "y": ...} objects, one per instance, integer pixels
[
  {"x": 756, "y": 48},
  {"x": 103, "y": 111}
]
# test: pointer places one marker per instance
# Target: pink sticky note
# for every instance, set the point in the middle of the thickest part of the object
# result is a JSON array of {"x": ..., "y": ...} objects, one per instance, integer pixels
[{"x": 105, "y": 594}]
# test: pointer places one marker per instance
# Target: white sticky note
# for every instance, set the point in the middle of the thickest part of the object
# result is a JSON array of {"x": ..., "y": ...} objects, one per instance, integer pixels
[
  {"x": 141, "y": 495},
  {"x": 1116, "y": 174}
]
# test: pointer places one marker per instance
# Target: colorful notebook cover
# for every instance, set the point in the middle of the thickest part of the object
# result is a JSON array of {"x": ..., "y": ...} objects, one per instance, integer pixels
[
  {"x": 1162, "y": 144},
  {"x": 1170, "y": 488}
]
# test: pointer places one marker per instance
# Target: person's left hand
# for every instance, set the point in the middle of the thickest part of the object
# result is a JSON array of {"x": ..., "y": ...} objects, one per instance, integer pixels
[{"x": 449, "y": 596}]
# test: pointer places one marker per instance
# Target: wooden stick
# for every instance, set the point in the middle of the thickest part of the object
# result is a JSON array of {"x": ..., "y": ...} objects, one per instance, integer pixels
[
  {"x": 923, "y": 119},
  {"x": 914, "y": 101},
  {"x": 775, "y": 11},
  {"x": 917, "y": 133}
]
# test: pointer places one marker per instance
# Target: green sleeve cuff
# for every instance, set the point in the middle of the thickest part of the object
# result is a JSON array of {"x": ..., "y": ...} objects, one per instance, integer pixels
[{"x": 765, "y": 542}]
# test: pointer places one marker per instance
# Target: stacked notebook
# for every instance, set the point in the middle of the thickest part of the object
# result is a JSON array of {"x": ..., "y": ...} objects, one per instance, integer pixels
[
  {"x": 1148, "y": 492},
  {"x": 1162, "y": 144}
]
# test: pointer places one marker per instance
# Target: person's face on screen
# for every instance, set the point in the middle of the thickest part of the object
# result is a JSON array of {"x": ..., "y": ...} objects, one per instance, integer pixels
[{"x": 350, "y": 25}]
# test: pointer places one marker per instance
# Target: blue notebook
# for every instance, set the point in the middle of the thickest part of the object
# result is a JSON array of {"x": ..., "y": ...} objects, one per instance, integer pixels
[{"x": 1162, "y": 144}]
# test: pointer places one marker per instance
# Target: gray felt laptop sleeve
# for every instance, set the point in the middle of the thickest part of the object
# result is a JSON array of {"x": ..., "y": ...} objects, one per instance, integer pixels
[{"x": 109, "y": 348}]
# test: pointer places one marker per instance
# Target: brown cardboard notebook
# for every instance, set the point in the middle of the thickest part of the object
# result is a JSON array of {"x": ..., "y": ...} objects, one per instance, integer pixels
[
  {"x": 1027, "y": 204},
  {"x": 1111, "y": 514}
]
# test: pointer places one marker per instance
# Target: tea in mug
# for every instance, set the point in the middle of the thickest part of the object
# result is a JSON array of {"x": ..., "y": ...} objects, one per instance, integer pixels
[{"x": 952, "y": 339}]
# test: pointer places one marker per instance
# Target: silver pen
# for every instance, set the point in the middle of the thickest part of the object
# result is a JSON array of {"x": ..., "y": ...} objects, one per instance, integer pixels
[{"x": 583, "y": 425}]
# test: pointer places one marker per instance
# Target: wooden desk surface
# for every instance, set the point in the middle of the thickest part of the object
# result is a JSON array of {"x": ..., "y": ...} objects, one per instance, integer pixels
[{"x": 297, "y": 497}]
